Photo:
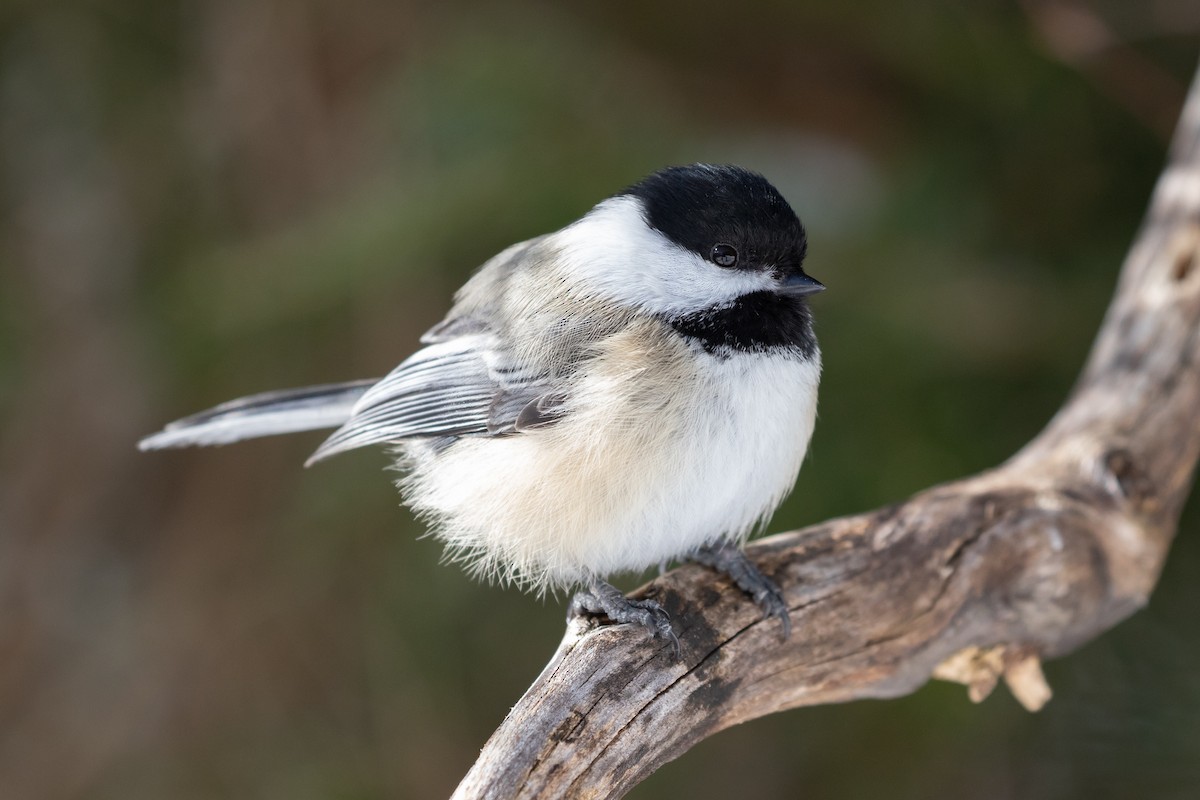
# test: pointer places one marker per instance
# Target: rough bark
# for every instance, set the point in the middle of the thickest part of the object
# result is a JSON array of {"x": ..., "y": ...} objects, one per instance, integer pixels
[{"x": 973, "y": 581}]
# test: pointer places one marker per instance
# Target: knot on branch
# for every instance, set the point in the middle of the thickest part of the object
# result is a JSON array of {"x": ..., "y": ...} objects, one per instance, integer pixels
[
  {"x": 1130, "y": 481},
  {"x": 980, "y": 669}
]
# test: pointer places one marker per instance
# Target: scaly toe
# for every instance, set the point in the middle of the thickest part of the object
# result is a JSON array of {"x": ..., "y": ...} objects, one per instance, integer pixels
[
  {"x": 658, "y": 621},
  {"x": 603, "y": 598},
  {"x": 772, "y": 604}
]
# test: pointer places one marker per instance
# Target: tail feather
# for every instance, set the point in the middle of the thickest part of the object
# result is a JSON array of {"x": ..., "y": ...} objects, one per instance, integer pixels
[{"x": 267, "y": 414}]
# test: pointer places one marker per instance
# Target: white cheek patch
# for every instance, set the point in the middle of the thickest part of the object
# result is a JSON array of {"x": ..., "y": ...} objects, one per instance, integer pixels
[{"x": 613, "y": 253}]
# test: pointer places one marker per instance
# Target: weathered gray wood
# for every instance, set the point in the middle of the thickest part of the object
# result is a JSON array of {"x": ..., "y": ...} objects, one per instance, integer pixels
[{"x": 974, "y": 580}]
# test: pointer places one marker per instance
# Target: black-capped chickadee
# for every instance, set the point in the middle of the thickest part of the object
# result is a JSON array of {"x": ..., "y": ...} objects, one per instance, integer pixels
[{"x": 635, "y": 388}]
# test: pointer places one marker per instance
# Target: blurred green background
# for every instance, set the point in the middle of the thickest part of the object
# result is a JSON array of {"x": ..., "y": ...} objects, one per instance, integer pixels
[{"x": 206, "y": 199}]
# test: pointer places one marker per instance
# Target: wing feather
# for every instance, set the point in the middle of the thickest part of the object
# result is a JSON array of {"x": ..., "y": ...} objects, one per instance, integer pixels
[
  {"x": 264, "y": 414},
  {"x": 456, "y": 387}
]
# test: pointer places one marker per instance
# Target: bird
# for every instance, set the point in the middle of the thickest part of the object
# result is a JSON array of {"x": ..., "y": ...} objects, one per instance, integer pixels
[{"x": 636, "y": 388}]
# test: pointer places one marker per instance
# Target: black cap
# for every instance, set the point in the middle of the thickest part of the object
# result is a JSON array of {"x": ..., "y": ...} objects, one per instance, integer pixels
[{"x": 701, "y": 206}]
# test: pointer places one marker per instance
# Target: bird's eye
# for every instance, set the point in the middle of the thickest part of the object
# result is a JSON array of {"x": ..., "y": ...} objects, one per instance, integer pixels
[{"x": 724, "y": 255}]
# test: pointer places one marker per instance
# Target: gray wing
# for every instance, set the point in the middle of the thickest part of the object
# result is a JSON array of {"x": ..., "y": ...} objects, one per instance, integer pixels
[
  {"x": 459, "y": 386},
  {"x": 465, "y": 382}
]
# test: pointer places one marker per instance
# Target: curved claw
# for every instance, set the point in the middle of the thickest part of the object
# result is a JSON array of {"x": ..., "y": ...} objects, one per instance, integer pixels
[
  {"x": 604, "y": 598},
  {"x": 771, "y": 601},
  {"x": 730, "y": 560},
  {"x": 654, "y": 617}
]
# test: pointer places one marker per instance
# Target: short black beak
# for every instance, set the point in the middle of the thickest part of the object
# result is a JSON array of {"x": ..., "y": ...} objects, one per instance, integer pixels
[{"x": 798, "y": 284}]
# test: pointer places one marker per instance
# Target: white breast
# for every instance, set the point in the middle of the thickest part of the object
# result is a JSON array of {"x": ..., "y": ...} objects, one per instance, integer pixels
[{"x": 663, "y": 450}]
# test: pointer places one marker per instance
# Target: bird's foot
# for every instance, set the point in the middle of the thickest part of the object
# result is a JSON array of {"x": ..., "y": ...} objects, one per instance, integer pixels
[
  {"x": 604, "y": 598},
  {"x": 730, "y": 560}
]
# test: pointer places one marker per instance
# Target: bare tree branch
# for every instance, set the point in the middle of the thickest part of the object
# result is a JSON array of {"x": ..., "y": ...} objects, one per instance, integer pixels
[{"x": 974, "y": 581}]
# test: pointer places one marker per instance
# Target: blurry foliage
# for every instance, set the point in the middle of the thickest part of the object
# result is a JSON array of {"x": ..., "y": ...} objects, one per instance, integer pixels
[{"x": 206, "y": 199}]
